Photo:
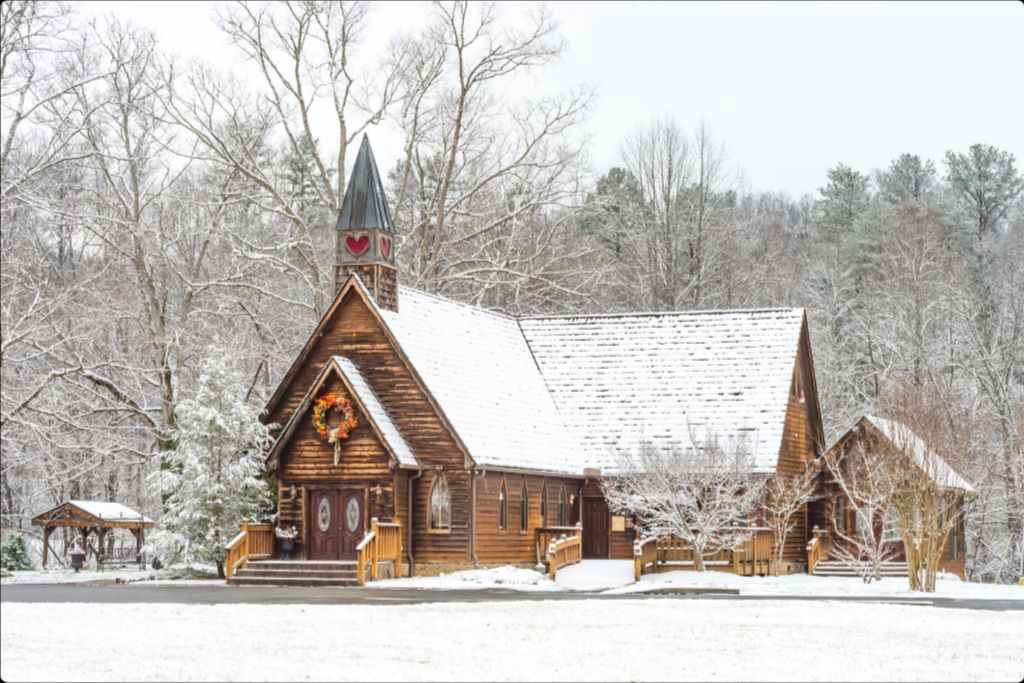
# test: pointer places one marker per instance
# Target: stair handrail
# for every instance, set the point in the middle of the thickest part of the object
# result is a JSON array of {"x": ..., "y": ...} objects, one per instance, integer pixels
[
  {"x": 253, "y": 541},
  {"x": 382, "y": 542}
]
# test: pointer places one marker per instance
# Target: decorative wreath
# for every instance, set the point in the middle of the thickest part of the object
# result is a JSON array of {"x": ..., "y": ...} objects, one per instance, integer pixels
[{"x": 334, "y": 401}]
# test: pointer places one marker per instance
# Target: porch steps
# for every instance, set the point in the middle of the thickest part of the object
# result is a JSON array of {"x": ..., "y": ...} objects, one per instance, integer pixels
[
  {"x": 295, "y": 573},
  {"x": 837, "y": 568}
]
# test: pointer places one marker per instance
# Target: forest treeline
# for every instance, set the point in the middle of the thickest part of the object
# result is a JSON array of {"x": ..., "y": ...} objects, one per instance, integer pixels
[{"x": 154, "y": 210}]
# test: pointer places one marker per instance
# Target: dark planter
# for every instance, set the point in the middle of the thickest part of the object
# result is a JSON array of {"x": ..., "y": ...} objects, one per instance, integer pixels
[
  {"x": 77, "y": 559},
  {"x": 287, "y": 546}
]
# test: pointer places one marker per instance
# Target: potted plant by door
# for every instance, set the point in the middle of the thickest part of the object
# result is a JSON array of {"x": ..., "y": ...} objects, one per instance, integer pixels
[{"x": 286, "y": 538}]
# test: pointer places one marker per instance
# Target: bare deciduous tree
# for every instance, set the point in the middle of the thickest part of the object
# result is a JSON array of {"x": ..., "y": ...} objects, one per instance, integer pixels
[{"x": 702, "y": 493}]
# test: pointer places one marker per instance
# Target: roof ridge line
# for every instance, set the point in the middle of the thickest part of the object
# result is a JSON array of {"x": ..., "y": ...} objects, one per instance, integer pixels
[
  {"x": 655, "y": 314},
  {"x": 447, "y": 300}
]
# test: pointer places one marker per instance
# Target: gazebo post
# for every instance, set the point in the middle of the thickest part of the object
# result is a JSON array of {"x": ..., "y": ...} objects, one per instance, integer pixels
[
  {"x": 85, "y": 542},
  {"x": 47, "y": 530},
  {"x": 101, "y": 551}
]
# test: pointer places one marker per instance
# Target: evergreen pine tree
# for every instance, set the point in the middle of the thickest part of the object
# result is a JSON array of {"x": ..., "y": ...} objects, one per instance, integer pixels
[{"x": 213, "y": 479}]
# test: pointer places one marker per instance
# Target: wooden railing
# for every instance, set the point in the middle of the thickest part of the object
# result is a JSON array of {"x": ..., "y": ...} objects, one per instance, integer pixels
[
  {"x": 816, "y": 549},
  {"x": 753, "y": 556},
  {"x": 544, "y": 535},
  {"x": 565, "y": 550},
  {"x": 645, "y": 557},
  {"x": 382, "y": 544},
  {"x": 253, "y": 542}
]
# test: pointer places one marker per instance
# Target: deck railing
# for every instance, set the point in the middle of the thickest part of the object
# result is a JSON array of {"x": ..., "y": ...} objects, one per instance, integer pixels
[
  {"x": 753, "y": 556},
  {"x": 544, "y": 535},
  {"x": 645, "y": 557},
  {"x": 816, "y": 549},
  {"x": 382, "y": 544},
  {"x": 565, "y": 550},
  {"x": 253, "y": 542}
]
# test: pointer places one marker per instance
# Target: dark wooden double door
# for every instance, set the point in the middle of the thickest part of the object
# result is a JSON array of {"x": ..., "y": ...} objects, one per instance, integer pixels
[
  {"x": 595, "y": 528},
  {"x": 336, "y": 520}
]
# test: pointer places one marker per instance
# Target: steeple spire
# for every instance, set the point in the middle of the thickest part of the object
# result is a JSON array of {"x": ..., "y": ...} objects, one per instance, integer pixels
[
  {"x": 365, "y": 233},
  {"x": 365, "y": 206}
]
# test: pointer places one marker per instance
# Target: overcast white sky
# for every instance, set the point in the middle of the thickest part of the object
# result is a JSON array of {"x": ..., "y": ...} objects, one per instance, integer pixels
[{"x": 792, "y": 88}]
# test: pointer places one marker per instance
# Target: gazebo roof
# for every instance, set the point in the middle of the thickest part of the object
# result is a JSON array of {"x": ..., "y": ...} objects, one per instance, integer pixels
[{"x": 93, "y": 513}]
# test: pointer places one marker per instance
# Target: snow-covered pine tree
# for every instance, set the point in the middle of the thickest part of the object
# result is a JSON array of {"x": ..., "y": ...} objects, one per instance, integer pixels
[{"x": 212, "y": 480}]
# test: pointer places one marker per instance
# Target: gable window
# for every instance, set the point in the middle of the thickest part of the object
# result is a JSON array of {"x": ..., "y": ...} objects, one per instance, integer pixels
[
  {"x": 563, "y": 508},
  {"x": 524, "y": 507},
  {"x": 440, "y": 505},
  {"x": 890, "y": 524},
  {"x": 502, "y": 507},
  {"x": 544, "y": 505}
]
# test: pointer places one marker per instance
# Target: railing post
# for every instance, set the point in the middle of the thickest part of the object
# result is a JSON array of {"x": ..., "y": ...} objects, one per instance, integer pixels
[{"x": 373, "y": 549}]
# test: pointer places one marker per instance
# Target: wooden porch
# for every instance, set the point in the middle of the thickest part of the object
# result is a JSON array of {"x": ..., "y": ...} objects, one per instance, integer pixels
[
  {"x": 753, "y": 557},
  {"x": 251, "y": 559}
]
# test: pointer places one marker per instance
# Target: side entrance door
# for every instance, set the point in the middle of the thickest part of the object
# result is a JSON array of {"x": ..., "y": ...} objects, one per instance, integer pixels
[
  {"x": 595, "y": 528},
  {"x": 324, "y": 524},
  {"x": 353, "y": 523}
]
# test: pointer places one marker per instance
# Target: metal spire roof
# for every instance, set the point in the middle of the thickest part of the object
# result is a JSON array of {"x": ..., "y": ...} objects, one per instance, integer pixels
[{"x": 365, "y": 206}]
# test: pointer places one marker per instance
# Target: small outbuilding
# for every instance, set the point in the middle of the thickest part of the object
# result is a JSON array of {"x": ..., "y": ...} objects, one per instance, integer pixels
[{"x": 90, "y": 516}]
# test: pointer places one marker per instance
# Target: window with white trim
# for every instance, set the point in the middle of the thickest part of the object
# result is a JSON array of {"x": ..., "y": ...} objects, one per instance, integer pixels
[{"x": 440, "y": 505}]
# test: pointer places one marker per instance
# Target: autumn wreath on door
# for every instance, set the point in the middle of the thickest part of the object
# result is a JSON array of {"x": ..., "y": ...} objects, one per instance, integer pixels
[{"x": 325, "y": 404}]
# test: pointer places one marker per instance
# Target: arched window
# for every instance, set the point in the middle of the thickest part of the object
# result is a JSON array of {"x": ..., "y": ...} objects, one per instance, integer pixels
[
  {"x": 502, "y": 507},
  {"x": 440, "y": 505},
  {"x": 563, "y": 508},
  {"x": 544, "y": 504},
  {"x": 524, "y": 507}
]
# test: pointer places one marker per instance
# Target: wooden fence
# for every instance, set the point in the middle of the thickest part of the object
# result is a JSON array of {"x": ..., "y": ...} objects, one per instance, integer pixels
[
  {"x": 382, "y": 544},
  {"x": 753, "y": 556},
  {"x": 253, "y": 542},
  {"x": 564, "y": 551}
]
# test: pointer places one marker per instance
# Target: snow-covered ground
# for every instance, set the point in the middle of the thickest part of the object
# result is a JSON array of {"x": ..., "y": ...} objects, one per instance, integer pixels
[
  {"x": 177, "y": 574},
  {"x": 948, "y": 586},
  {"x": 616, "y": 576},
  {"x": 498, "y": 578},
  {"x": 532, "y": 640},
  {"x": 588, "y": 575}
]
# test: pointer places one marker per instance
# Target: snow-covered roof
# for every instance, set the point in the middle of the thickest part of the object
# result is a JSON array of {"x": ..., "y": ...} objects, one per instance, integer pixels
[
  {"x": 109, "y": 511},
  {"x": 479, "y": 369},
  {"x": 927, "y": 460},
  {"x": 562, "y": 394},
  {"x": 389, "y": 432},
  {"x": 627, "y": 378}
]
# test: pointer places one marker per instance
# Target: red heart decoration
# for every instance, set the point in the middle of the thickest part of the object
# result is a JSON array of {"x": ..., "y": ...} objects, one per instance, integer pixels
[
  {"x": 385, "y": 246},
  {"x": 357, "y": 246}
]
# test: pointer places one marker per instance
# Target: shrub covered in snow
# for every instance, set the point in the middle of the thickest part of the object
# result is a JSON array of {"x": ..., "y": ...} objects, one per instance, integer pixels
[
  {"x": 14, "y": 555},
  {"x": 212, "y": 480}
]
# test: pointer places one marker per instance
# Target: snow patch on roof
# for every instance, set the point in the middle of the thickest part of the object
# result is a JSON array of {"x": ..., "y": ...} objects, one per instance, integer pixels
[
  {"x": 109, "y": 511},
  {"x": 625, "y": 379},
  {"x": 927, "y": 460},
  {"x": 390, "y": 433},
  {"x": 478, "y": 367}
]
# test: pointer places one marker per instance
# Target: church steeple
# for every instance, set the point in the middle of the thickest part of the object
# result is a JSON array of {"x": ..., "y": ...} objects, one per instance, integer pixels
[{"x": 365, "y": 233}]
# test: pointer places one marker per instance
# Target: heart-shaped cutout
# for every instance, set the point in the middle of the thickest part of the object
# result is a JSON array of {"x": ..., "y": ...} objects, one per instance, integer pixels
[
  {"x": 356, "y": 247},
  {"x": 385, "y": 246}
]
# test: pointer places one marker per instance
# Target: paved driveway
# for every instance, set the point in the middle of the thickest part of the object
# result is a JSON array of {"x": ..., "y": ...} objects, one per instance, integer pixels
[{"x": 269, "y": 595}]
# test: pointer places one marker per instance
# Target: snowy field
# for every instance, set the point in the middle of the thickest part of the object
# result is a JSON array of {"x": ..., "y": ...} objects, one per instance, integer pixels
[{"x": 542, "y": 640}]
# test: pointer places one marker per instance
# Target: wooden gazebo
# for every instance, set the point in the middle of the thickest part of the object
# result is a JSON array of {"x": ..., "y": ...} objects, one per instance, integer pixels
[{"x": 89, "y": 516}]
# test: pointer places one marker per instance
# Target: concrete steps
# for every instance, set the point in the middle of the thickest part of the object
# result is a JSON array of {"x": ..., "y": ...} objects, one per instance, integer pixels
[
  {"x": 295, "y": 573},
  {"x": 837, "y": 568}
]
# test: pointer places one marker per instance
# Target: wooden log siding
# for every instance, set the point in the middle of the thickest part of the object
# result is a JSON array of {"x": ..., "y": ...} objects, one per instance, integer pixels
[
  {"x": 798, "y": 448},
  {"x": 355, "y": 332},
  {"x": 512, "y": 545}
]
